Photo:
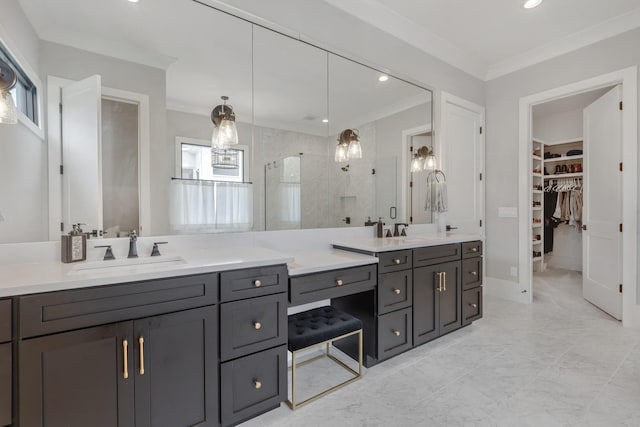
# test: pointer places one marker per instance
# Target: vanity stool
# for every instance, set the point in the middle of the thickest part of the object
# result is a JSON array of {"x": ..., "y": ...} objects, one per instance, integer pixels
[{"x": 320, "y": 326}]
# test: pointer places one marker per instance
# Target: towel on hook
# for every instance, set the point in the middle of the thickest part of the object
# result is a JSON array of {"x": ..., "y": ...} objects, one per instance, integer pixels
[{"x": 436, "y": 200}]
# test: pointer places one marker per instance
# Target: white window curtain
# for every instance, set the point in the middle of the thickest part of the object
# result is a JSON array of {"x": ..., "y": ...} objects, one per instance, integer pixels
[
  {"x": 290, "y": 204},
  {"x": 210, "y": 207}
]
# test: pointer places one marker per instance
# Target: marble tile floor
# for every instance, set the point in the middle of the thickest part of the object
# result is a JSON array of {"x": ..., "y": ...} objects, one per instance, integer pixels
[{"x": 557, "y": 362}]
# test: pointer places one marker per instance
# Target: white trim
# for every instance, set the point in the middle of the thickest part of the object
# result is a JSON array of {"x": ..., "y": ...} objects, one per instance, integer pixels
[
  {"x": 628, "y": 78},
  {"x": 575, "y": 41},
  {"x": 448, "y": 98},
  {"x": 54, "y": 85}
]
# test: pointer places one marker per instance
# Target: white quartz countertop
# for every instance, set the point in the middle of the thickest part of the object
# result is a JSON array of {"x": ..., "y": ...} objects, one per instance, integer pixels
[
  {"x": 331, "y": 259},
  {"x": 21, "y": 279},
  {"x": 386, "y": 244}
]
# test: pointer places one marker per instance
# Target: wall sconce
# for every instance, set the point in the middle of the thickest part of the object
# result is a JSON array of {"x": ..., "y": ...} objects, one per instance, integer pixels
[
  {"x": 348, "y": 146},
  {"x": 8, "y": 80},
  {"x": 423, "y": 159},
  {"x": 224, "y": 131}
]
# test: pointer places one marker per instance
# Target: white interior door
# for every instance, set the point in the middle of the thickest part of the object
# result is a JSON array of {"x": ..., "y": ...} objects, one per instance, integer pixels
[
  {"x": 81, "y": 154},
  {"x": 462, "y": 146},
  {"x": 602, "y": 213}
]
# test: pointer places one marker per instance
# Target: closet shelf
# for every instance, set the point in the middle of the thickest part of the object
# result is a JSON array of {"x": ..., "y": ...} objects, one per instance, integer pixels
[
  {"x": 536, "y": 209},
  {"x": 534, "y": 157},
  {"x": 537, "y": 175},
  {"x": 539, "y": 225},
  {"x": 565, "y": 175},
  {"x": 537, "y": 242},
  {"x": 537, "y": 191},
  {"x": 537, "y": 259},
  {"x": 563, "y": 158}
]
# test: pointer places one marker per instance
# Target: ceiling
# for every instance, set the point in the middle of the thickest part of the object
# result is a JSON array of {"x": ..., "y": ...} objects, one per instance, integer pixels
[
  {"x": 569, "y": 103},
  {"x": 490, "y": 38}
]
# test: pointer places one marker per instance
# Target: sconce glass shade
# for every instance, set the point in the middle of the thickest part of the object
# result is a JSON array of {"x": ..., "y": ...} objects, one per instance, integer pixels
[
  {"x": 8, "y": 110},
  {"x": 417, "y": 164},
  {"x": 355, "y": 150},
  {"x": 225, "y": 159},
  {"x": 430, "y": 162},
  {"x": 342, "y": 152},
  {"x": 227, "y": 134}
]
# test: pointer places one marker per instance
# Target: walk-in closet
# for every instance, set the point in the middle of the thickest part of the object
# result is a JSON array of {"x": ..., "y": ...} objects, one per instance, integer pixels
[{"x": 572, "y": 137}]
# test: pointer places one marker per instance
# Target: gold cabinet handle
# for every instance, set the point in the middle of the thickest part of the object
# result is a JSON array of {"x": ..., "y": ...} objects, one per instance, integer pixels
[
  {"x": 396, "y": 333},
  {"x": 257, "y": 325},
  {"x": 396, "y": 291},
  {"x": 473, "y": 273},
  {"x": 141, "y": 345},
  {"x": 439, "y": 288},
  {"x": 257, "y": 283},
  {"x": 339, "y": 282},
  {"x": 125, "y": 355},
  {"x": 257, "y": 384},
  {"x": 474, "y": 305},
  {"x": 444, "y": 281},
  {"x": 396, "y": 261},
  {"x": 474, "y": 249}
]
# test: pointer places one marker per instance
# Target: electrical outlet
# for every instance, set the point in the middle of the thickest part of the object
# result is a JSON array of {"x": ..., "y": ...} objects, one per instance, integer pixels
[{"x": 514, "y": 271}]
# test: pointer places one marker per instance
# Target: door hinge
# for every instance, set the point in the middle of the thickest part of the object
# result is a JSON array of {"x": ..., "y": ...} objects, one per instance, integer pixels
[
  {"x": 620, "y": 105},
  {"x": 410, "y": 219},
  {"x": 411, "y": 184},
  {"x": 621, "y": 228},
  {"x": 61, "y": 169},
  {"x": 62, "y": 226},
  {"x": 620, "y": 288},
  {"x": 480, "y": 177},
  {"x": 480, "y": 130},
  {"x": 411, "y": 149},
  {"x": 620, "y": 166},
  {"x": 480, "y": 223}
]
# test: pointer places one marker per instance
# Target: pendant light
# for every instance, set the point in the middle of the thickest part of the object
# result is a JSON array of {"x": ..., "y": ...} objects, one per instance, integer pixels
[
  {"x": 348, "y": 146},
  {"x": 8, "y": 80},
  {"x": 225, "y": 132}
]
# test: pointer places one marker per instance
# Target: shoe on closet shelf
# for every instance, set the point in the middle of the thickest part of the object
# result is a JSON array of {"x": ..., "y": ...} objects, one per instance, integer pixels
[
  {"x": 565, "y": 169},
  {"x": 558, "y": 170},
  {"x": 578, "y": 167}
]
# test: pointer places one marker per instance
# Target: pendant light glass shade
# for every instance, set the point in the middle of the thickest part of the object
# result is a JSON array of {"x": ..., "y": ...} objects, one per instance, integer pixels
[
  {"x": 8, "y": 110},
  {"x": 342, "y": 152}
]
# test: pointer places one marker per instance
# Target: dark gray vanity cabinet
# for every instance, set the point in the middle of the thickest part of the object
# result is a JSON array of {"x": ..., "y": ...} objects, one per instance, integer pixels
[
  {"x": 471, "y": 282},
  {"x": 253, "y": 337},
  {"x": 437, "y": 296},
  {"x": 6, "y": 365},
  {"x": 160, "y": 370}
]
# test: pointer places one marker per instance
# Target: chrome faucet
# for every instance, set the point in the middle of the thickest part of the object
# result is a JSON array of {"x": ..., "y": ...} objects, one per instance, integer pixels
[{"x": 133, "y": 250}]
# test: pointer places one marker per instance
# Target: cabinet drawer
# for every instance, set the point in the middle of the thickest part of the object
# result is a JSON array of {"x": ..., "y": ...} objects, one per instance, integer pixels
[
  {"x": 332, "y": 284},
  {"x": 472, "y": 249},
  {"x": 471, "y": 273},
  {"x": 5, "y": 384},
  {"x": 436, "y": 254},
  {"x": 253, "y": 282},
  {"x": 394, "y": 333},
  {"x": 43, "y": 314},
  {"x": 394, "y": 261},
  {"x": 395, "y": 291},
  {"x": 471, "y": 305},
  {"x": 5, "y": 320},
  {"x": 252, "y": 325},
  {"x": 253, "y": 384}
]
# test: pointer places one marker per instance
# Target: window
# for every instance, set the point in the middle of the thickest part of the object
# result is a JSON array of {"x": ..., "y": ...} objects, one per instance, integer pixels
[
  {"x": 196, "y": 164},
  {"x": 25, "y": 93}
]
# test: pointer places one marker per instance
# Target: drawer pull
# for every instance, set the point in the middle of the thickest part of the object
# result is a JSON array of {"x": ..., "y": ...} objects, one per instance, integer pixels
[
  {"x": 439, "y": 288},
  {"x": 257, "y": 384},
  {"x": 473, "y": 273},
  {"x": 125, "y": 356},
  {"x": 396, "y": 333},
  {"x": 257, "y": 283},
  {"x": 141, "y": 344},
  {"x": 396, "y": 261},
  {"x": 257, "y": 325},
  {"x": 444, "y": 281},
  {"x": 396, "y": 291},
  {"x": 474, "y": 249},
  {"x": 339, "y": 282},
  {"x": 473, "y": 305}
]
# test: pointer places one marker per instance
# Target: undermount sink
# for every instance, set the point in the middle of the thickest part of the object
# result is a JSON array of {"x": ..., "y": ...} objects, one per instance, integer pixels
[{"x": 127, "y": 265}]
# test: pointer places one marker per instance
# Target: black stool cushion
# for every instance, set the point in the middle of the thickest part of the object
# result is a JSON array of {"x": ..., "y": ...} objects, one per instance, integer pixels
[{"x": 318, "y": 325}]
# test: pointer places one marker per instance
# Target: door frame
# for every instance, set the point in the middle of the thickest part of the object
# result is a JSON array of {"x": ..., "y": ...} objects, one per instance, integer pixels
[
  {"x": 626, "y": 77},
  {"x": 405, "y": 169},
  {"x": 54, "y": 148},
  {"x": 440, "y": 145}
]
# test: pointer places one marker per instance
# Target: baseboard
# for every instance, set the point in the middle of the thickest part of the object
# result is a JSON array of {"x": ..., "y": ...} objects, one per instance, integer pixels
[{"x": 505, "y": 289}]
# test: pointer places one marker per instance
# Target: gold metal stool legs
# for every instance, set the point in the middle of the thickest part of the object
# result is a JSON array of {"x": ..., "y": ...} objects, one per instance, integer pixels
[{"x": 292, "y": 403}]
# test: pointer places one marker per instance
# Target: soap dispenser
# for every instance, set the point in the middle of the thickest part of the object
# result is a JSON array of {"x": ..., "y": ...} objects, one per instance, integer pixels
[
  {"x": 380, "y": 228},
  {"x": 74, "y": 245}
]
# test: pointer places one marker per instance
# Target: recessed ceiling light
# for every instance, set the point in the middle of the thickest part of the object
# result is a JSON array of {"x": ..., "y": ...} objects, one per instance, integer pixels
[
  {"x": 530, "y": 4},
  {"x": 383, "y": 78},
  {"x": 134, "y": 1},
  {"x": 325, "y": 120}
]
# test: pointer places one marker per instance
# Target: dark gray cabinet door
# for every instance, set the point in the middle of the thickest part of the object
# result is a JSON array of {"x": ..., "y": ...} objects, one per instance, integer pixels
[
  {"x": 179, "y": 384},
  {"x": 450, "y": 297},
  {"x": 426, "y": 310},
  {"x": 5, "y": 384},
  {"x": 78, "y": 379}
]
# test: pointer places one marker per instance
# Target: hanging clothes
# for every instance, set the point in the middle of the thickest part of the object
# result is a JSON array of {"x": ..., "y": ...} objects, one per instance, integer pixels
[{"x": 550, "y": 201}]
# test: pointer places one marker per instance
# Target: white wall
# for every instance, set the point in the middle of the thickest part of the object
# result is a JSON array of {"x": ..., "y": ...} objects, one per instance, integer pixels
[
  {"x": 558, "y": 127},
  {"x": 502, "y": 100},
  {"x": 23, "y": 154}
]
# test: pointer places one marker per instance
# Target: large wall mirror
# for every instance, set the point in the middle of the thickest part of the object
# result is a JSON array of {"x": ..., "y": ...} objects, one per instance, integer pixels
[{"x": 123, "y": 136}]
